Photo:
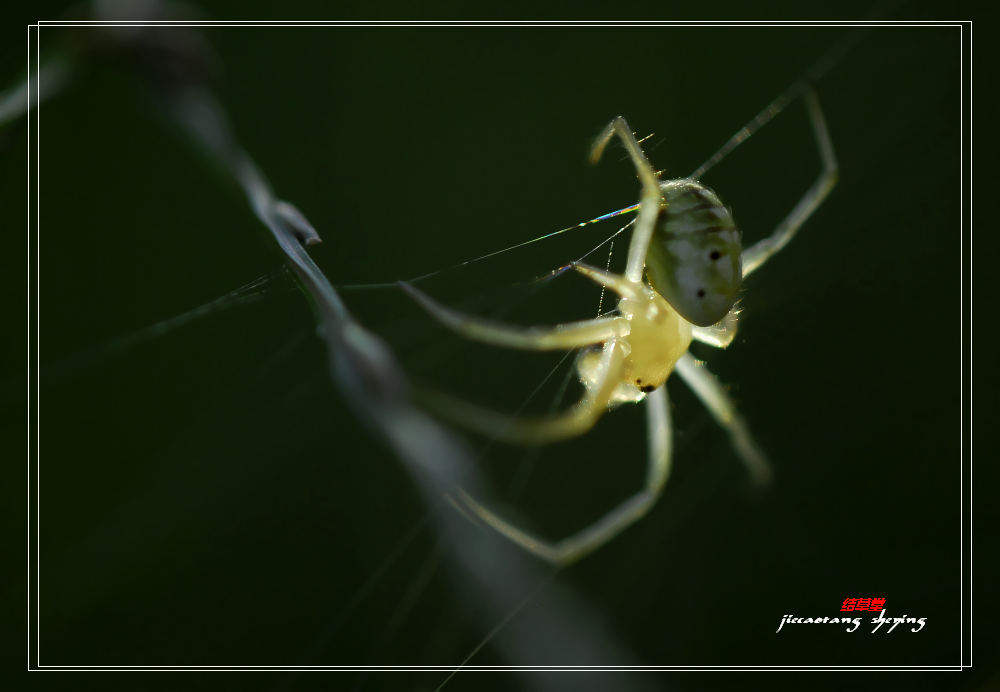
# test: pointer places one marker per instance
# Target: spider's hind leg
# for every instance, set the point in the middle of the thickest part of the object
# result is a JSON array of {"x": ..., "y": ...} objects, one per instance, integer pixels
[
  {"x": 561, "y": 337},
  {"x": 760, "y": 252},
  {"x": 572, "y": 422},
  {"x": 707, "y": 388},
  {"x": 720, "y": 334},
  {"x": 616, "y": 282}
]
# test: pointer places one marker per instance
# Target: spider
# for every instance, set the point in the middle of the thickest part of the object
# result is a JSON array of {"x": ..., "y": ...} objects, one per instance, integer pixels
[{"x": 682, "y": 279}]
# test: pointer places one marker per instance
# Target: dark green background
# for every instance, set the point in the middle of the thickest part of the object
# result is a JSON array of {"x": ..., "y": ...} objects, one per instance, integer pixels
[{"x": 206, "y": 498}]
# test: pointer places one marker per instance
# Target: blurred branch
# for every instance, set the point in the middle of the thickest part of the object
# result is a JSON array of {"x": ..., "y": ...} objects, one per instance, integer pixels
[
  {"x": 47, "y": 81},
  {"x": 368, "y": 376},
  {"x": 174, "y": 62}
]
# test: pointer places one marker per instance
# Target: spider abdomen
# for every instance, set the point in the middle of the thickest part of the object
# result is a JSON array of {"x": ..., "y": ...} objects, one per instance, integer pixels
[{"x": 694, "y": 256}]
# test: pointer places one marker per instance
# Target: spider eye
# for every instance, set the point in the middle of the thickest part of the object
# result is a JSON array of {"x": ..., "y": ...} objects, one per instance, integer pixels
[{"x": 694, "y": 257}]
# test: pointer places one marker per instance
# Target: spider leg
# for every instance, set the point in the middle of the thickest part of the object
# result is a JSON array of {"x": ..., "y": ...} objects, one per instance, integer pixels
[
  {"x": 760, "y": 252},
  {"x": 652, "y": 198},
  {"x": 616, "y": 282},
  {"x": 571, "y": 549},
  {"x": 575, "y": 421},
  {"x": 707, "y": 388},
  {"x": 720, "y": 334},
  {"x": 561, "y": 337}
]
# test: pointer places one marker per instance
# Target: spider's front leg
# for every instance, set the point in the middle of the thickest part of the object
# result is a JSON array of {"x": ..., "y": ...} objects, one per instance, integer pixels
[{"x": 652, "y": 198}]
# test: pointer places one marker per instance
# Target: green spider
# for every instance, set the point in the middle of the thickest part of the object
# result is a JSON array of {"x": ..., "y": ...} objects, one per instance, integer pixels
[{"x": 682, "y": 279}]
